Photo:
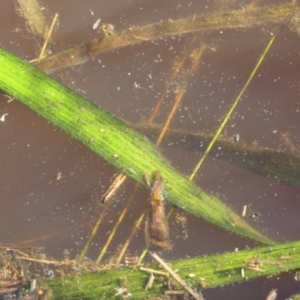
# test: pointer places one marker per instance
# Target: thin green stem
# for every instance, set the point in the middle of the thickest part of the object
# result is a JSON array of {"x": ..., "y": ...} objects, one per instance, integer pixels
[{"x": 227, "y": 117}]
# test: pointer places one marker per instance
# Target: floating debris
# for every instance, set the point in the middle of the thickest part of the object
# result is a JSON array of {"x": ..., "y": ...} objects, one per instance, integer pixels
[
  {"x": 236, "y": 137},
  {"x": 244, "y": 211},
  {"x": 297, "y": 276},
  {"x": 96, "y": 24},
  {"x": 2, "y": 119},
  {"x": 272, "y": 295},
  {"x": 107, "y": 29}
]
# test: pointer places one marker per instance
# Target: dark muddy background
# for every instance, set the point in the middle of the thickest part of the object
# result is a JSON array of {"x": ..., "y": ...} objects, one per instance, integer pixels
[{"x": 37, "y": 210}]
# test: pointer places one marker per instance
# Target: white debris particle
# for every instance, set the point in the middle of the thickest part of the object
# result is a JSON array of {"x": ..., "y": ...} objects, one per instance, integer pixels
[
  {"x": 272, "y": 295},
  {"x": 2, "y": 119},
  {"x": 136, "y": 85},
  {"x": 244, "y": 210},
  {"x": 96, "y": 24}
]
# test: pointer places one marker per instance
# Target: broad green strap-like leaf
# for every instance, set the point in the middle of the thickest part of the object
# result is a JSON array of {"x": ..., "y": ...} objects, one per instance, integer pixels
[
  {"x": 200, "y": 272},
  {"x": 117, "y": 143}
]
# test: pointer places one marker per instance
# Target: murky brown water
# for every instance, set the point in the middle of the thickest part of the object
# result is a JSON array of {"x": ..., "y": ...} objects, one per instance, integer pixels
[{"x": 35, "y": 209}]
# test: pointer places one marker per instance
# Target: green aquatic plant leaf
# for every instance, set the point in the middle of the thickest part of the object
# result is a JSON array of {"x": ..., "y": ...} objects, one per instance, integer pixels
[
  {"x": 202, "y": 273},
  {"x": 111, "y": 138}
]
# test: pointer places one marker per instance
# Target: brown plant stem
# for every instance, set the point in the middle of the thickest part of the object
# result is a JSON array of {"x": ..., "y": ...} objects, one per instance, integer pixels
[
  {"x": 233, "y": 19},
  {"x": 175, "y": 276}
]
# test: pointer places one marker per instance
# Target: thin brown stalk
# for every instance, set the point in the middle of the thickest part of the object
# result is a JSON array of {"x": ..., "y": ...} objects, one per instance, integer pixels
[
  {"x": 117, "y": 224},
  {"x": 48, "y": 37},
  {"x": 178, "y": 65},
  {"x": 48, "y": 262},
  {"x": 92, "y": 235},
  {"x": 180, "y": 93},
  {"x": 177, "y": 292},
  {"x": 160, "y": 100},
  {"x": 196, "y": 56},
  {"x": 175, "y": 276},
  {"x": 133, "y": 233},
  {"x": 113, "y": 187},
  {"x": 17, "y": 251},
  {"x": 152, "y": 271}
]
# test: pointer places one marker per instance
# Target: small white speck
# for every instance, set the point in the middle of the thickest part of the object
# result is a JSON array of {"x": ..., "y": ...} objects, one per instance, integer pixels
[
  {"x": 2, "y": 119},
  {"x": 136, "y": 85},
  {"x": 96, "y": 24}
]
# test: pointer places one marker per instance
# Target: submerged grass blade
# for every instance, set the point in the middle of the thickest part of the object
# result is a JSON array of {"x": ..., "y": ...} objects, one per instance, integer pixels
[
  {"x": 266, "y": 16},
  {"x": 277, "y": 165},
  {"x": 109, "y": 137},
  {"x": 200, "y": 272}
]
